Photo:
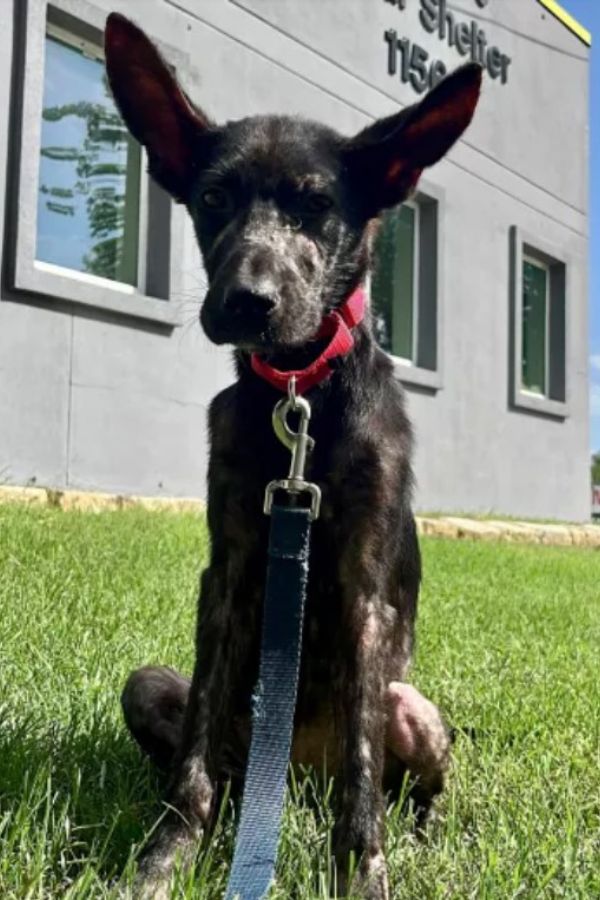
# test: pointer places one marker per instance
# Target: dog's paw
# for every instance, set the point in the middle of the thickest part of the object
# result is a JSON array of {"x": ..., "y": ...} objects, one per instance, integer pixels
[
  {"x": 371, "y": 879},
  {"x": 173, "y": 847},
  {"x": 148, "y": 888},
  {"x": 154, "y": 876},
  {"x": 368, "y": 882}
]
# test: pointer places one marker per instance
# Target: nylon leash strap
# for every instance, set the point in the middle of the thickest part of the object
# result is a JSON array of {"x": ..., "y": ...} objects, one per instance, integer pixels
[{"x": 274, "y": 700}]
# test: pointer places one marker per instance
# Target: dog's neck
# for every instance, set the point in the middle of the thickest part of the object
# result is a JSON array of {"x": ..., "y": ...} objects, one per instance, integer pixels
[
  {"x": 316, "y": 361},
  {"x": 344, "y": 389}
]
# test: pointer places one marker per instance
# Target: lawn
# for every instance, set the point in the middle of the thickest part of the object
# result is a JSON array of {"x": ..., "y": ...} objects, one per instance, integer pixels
[{"x": 509, "y": 640}]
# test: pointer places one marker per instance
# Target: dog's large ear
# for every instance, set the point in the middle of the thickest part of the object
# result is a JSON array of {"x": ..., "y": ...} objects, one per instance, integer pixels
[
  {"x": 155, "y": 109},
  {"x": 386, "y": 159}
]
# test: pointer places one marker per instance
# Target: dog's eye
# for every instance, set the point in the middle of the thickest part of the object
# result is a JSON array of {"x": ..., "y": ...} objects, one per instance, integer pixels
[
  {"x": 317, "y": 203},
  {"x": 215, "y": 198}
]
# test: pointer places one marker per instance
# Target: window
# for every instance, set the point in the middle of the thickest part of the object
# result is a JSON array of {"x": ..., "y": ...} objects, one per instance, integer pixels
[
  {"x": 90, "y": 227},
  {"x": 534, "y": 328},
  {"x": 538, "y": 331},
  {"x": 394, "y": 286},
  {"x": 404, "y": 290},
  {"x": 89, "y": 183}
]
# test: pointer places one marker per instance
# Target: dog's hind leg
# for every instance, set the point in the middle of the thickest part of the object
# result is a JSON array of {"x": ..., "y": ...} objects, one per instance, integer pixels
[
  {"x": 154, "y": 700},
  {"x": 418, "y": 738}
]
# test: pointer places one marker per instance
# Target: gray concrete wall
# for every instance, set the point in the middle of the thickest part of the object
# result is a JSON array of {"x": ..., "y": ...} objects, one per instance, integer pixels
[{"x": 93, "y": 400}]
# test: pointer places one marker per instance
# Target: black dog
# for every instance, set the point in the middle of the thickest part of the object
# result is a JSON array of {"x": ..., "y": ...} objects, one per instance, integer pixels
[{"x": 285, "y": 212}]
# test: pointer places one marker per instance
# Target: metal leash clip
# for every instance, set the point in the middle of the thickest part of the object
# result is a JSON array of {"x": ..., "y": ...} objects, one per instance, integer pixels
[{"x": 300, "y": 444}]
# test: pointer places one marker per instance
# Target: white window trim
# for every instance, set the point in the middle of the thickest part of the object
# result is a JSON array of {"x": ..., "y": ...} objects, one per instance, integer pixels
[
  {"x": 30, "y": 276},
  {"x": 539, "y": 264},
  {"x": 522, "y": 400}
]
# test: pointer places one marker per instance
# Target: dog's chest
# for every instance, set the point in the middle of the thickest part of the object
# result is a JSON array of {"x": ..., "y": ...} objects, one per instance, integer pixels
[{"x": 244, "y": 460}]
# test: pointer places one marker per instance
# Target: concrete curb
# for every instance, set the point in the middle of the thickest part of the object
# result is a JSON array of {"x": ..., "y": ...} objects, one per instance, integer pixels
[{"x": 455, "y": 527}]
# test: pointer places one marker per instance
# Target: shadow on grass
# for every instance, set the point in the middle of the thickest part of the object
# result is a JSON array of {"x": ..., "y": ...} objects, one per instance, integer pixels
[
  {"x": 84, "y": 794},
  {"x": 80, "y": 797}
]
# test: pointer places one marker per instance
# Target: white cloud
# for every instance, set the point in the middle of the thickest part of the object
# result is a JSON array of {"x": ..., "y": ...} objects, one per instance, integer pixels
[{"x": 595, "y": 362}]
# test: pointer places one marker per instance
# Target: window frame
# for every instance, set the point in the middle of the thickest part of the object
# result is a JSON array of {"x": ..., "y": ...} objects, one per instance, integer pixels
[
  {"x": 161, "y": 222},
  {"x": 556, "y": 400},
  {"x": 412, "y": 372},
  {"x": 91, "y": 50}
]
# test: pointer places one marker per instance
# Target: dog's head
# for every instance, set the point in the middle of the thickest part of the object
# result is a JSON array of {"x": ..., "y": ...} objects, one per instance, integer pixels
[{"x": 281, "y": 206}]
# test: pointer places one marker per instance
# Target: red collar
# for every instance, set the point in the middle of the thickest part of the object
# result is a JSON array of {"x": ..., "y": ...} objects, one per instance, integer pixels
[{"x": 336, "y": 325}]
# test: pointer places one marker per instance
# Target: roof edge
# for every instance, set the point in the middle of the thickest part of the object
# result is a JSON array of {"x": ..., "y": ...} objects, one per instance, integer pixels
[{"x": 568, "y": 21}]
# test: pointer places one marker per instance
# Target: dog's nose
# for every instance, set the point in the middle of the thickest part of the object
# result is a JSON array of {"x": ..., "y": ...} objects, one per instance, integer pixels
[{"x": 243, "y": 302}]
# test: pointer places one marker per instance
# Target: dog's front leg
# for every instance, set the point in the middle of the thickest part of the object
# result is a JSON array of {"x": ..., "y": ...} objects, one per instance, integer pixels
[
  {"x": 192, "y": 793},
  {"x": 359, "y": 830}
]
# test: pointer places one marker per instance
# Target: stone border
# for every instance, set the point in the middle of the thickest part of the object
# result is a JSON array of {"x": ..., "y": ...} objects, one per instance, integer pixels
[
  {"x": 91, "y": 501},
  {"x": 456, "y": 527},
  {"x": 515, "y": 532}
]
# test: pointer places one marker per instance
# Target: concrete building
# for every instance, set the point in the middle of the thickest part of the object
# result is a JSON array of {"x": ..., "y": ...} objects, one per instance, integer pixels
[{"x": 481, "y": 292}]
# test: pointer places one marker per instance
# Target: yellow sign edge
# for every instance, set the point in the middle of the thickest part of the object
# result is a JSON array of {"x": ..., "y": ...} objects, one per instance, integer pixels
[{"x": 567, "y": 19}]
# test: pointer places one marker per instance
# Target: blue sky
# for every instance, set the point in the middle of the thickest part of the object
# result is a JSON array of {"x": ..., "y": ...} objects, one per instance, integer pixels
[{"x": 588, "y": 13}]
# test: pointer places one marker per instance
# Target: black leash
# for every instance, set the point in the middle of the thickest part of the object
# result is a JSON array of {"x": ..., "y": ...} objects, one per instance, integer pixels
[{"x": 275, "y": 694}]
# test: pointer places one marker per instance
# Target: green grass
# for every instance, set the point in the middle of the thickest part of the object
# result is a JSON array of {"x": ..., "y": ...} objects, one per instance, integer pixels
[{"x": 508, "y": 646}]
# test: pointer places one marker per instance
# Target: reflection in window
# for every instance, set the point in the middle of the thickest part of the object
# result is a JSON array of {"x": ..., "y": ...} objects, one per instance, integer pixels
[
  {"x": 393, "y": 288},
  {"x": 535, "y": 326},
  {"x": 89, "y": 194}
]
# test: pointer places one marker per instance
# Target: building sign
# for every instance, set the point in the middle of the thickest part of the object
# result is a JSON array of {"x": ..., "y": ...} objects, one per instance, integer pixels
[
  {"x": 414, "y": 65},
  {"x": 596, "y": 500}
]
